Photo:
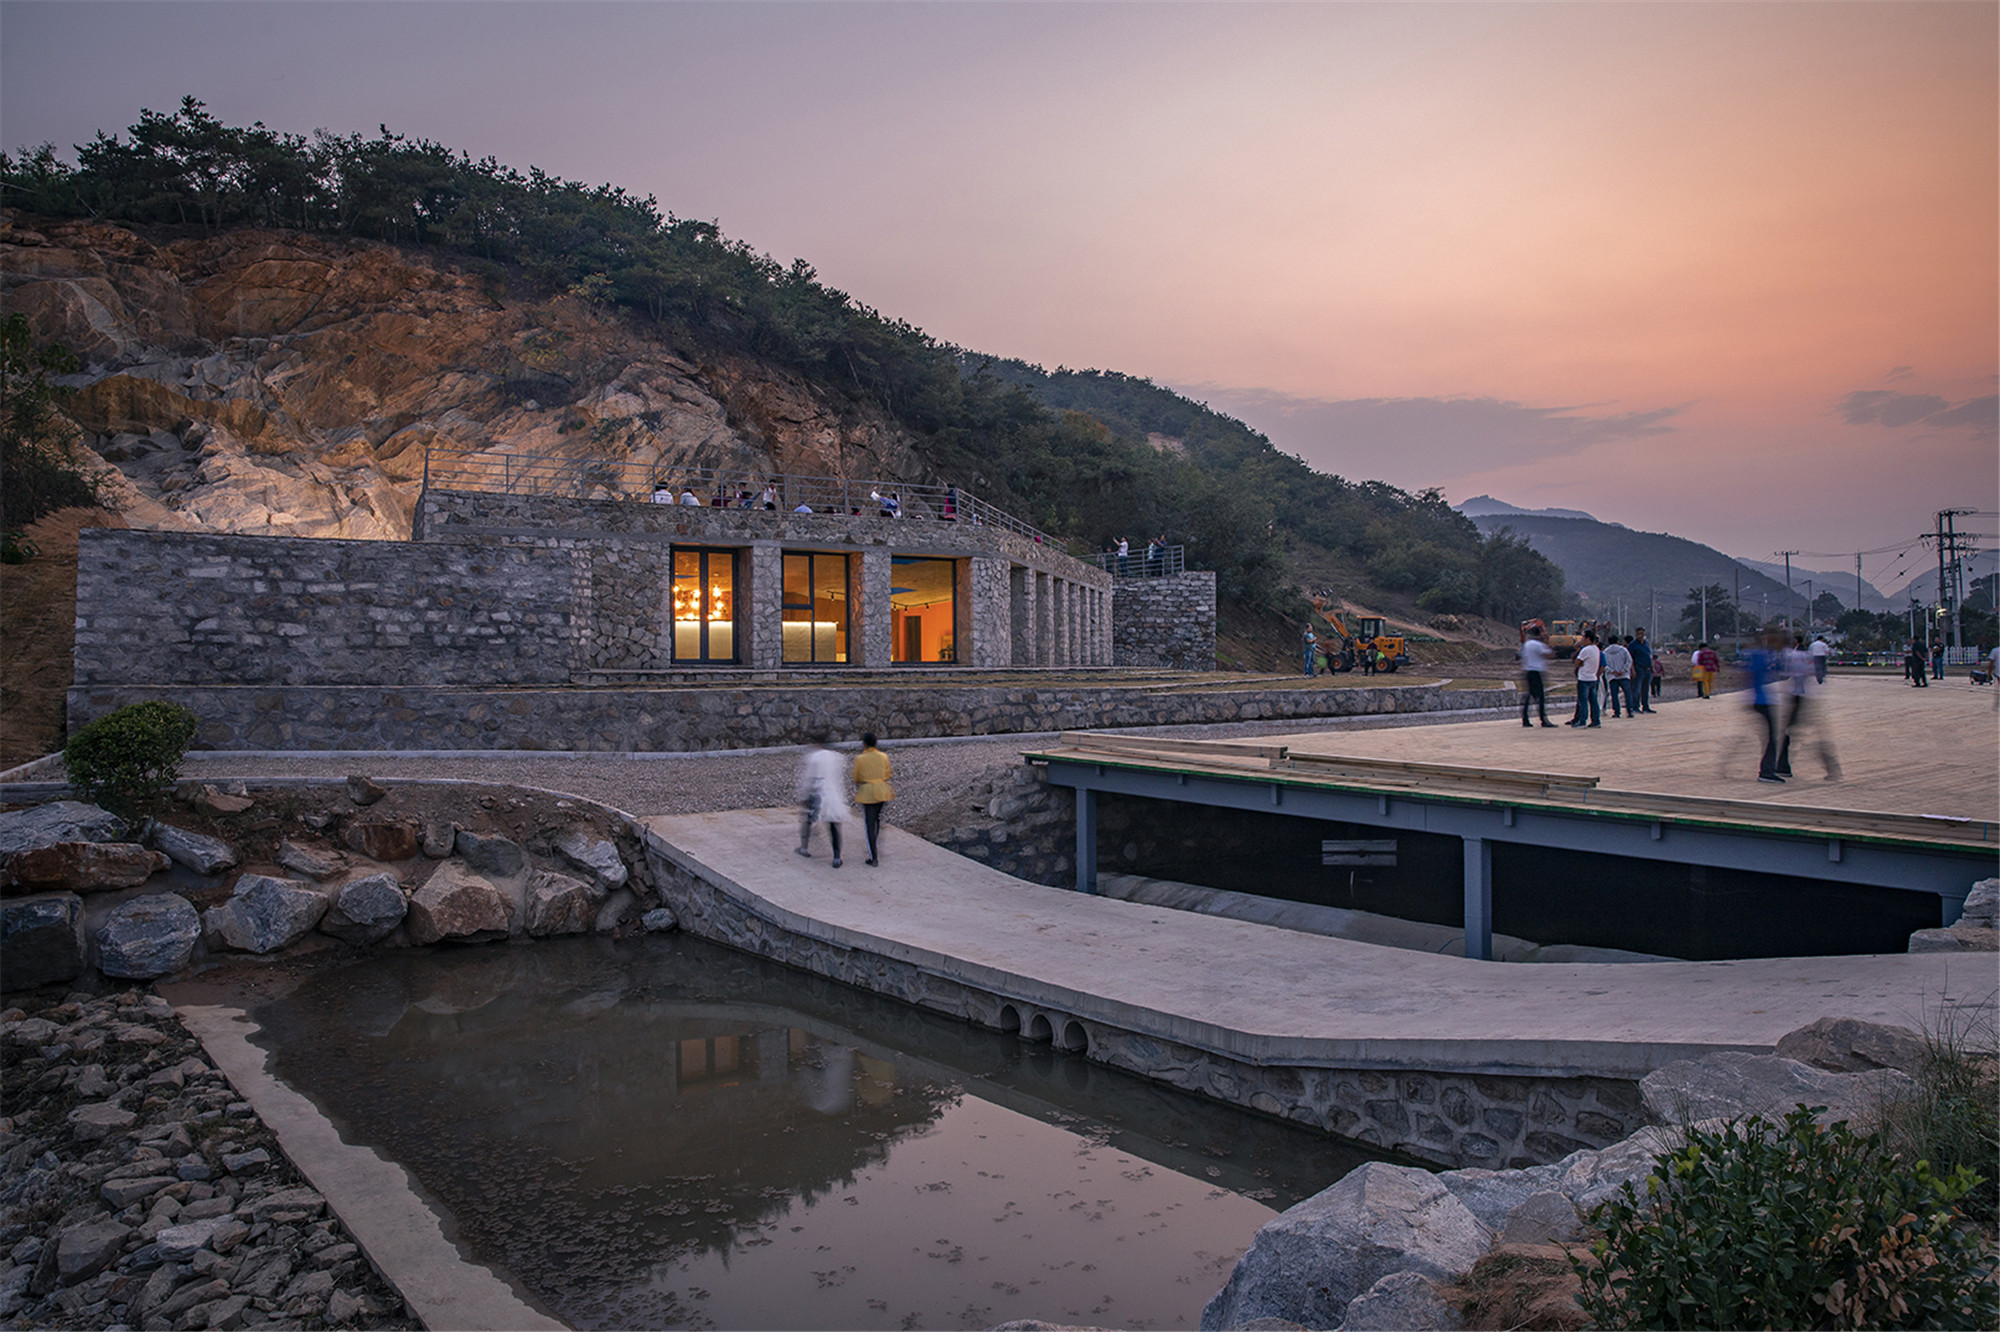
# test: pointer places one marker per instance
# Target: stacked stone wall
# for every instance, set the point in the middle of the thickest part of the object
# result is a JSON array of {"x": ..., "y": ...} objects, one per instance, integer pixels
[
  {"x": 627, "y": 627},
  {"x": 178, "y": 608},
  {"x": 1164, "y": 622},
  {"x": 628, "y": 718}
]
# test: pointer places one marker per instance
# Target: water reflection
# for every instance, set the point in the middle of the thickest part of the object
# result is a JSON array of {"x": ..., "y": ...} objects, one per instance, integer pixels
[{"x": 665, "y": 1133}]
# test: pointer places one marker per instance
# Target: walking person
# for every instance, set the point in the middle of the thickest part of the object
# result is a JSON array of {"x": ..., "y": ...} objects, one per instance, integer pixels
[
  {"x": 1767, "y": 668},
  {"x": 822, "y": 798},
  {"x": 1535, "y": 657},
  {"x": 1618, "y": 676},
  {"x": 1312, "y": 652},
  {"x": 1913, "y": 666},
  {"x": 1589, "y": 664},
  {"x": 1802, "y": 679},
  {"x": 1704, "y": 666},
  {"x": 1642, "y": 673},
  {"x": 872, "y": 791},
  {"x": 1820, "y": 650}
]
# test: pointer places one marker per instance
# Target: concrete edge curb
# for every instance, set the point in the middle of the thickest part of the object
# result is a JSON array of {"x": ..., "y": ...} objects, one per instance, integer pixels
[{"x": 373, "y": 1197}]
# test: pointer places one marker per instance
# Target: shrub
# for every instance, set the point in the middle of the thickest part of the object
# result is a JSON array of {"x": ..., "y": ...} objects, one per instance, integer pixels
[
  {"x": 1951, "y": 1116},
  {"x": 131, "y": 754},
  {"x": 1792, "y": 1225}
]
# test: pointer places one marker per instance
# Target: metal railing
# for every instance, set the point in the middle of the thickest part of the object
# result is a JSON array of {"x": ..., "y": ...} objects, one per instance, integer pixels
[
  {"x": 730, "y": 488},
  {"x": 1143, "y": 562}
]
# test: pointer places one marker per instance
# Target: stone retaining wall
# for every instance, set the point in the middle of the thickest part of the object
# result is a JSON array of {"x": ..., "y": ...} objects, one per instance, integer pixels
[
  {"x": 1167, "y": 622},
  {"x": 180, "y": 608},
  {"x": 1456, "y": 1119},
  {"x": 618, "y": 719}
]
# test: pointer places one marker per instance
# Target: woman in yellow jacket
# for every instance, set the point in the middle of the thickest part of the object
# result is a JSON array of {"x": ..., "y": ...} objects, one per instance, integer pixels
[{"x": 872, "y": 789}]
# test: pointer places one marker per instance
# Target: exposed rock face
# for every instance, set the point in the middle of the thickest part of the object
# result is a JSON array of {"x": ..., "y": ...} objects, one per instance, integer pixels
[
  {"x": 366, "y": 910},
  {"x": 559, "y": 904},
  {"x": 459, "y": 905},
  {"x": 1401, "y": 1302},
  {"x": 41, "y": 940},
  {"x": 1982, "y": 905},
  {"x": 203, "y": 855},
  {"x": 148, "y": 936},
  {"x": 59, "y": 821},
  {"x": 83, "y": 867},
  {"x": 265, "y": 914},
  {"x": 287, "y": 384},
  {"x": 1381, "y": 1219}
]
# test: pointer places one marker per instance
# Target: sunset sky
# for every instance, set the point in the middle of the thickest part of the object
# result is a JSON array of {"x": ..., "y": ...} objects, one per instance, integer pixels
[{"x": 1722, "y": 270}]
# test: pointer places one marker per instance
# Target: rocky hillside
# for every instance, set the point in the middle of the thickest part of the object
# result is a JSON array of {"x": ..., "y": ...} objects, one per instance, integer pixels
[{"x": 288, "y": 383}]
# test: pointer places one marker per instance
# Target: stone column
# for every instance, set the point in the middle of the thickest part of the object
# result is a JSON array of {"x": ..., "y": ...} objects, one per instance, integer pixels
[
  {"x": 1044, "y": 619},
  {"x": 992, "y": 613},
  {"x": 1059, "y": 614},
  {"x": 760, "y": 611},
  {"x": 1021, "y": 606},
  {"x": 868, "y": 583}
]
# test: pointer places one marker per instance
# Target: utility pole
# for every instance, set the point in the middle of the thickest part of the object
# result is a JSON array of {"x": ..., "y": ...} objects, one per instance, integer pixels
[
  {"x": 1857, "y": 582},
  {"x": 1809, "y": 605},
  {"x": 1653, "y": 614},
  {"x": 1787, "y": 555},
  {"x": 1736, "y": 630},
  {"x": 1951, "y": 577},
  {"x": 1704, "y": 612}
]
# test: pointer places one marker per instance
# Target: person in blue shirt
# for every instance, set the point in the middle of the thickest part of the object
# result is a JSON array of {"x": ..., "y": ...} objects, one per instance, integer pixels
[
  {"x": 1766, "y": 664},
  {"x": 1642, "y": 672}
]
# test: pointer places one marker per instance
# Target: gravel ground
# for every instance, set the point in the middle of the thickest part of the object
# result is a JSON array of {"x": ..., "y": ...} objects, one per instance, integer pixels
[{"x": 932, "y": 777}]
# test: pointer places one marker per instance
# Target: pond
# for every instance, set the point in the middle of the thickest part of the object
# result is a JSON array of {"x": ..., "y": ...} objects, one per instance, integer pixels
[{"x": 665, "y": 1133}]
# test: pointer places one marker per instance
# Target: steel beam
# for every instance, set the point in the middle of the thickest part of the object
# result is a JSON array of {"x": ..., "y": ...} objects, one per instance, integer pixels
[
  {"x": 1479, "y": 899},
  {"x": 1086, "y": 839}
]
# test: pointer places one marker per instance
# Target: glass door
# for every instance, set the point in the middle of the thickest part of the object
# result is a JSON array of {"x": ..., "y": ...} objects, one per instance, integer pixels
[
  {"x": 923, "y": 609},
  {"x": 815, "y": 608},
  {"x": 704, "y": 600}
]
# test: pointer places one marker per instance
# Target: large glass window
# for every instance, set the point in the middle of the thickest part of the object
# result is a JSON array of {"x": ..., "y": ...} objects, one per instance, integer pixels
[
  {"x": 704, "y": 605},
  {"x": 922, "y": 609},
  {"x": 815, "y": 608}
]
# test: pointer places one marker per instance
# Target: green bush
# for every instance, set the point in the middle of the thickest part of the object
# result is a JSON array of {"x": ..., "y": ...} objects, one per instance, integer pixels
[
  {"x": 1791, "y": 1226},
  {"x": 1951, "y": 1115},
  {"x": 126, "y": 756}
]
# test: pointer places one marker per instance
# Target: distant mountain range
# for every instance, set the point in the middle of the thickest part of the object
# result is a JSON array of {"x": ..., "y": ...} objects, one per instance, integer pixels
[
  {"x": 1840, "y": 582},
  {"x": 1485, "y": 506},
  {"x": 1605, "y": 564}
]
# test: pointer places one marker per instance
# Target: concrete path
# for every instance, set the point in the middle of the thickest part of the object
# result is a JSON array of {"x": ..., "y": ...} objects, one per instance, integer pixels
[{"x": 1272, "y": 996}]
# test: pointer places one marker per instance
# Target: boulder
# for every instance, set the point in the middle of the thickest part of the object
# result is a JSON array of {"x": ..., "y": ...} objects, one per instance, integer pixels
[
  {"x": 58, "y": 821},
  {"x": 180, "y": 1243},
  {"x": 363, "y": 790},
  {"x": 315, "y": 862},
  {"x": 1401, "y": 1300},
  {"x": 1849, "y": 1045},
  {"x": 366, "y": 910},
  {"x": 397, "y": 839},
  {"x": 587, "y": 851},
  {"x": 658, "y": 921},
  {"x": 213, "y": 802},
  {"x": 459, "y": 905},
  {"x": 559, "y": 904},
  {"x": 1544, "y": 1217},
  {"x": 100, "y": 1119},
  {"x": 41, "y": 940},
  {"x": 1595, "y": 1175},
  {"x": 1956, "y": 939},
  {"x": 264, "y": 914},
  {"x": 491, "y": 855},
  {"x": 1733, "y": 1083},
  {"x": 440, "y": 836},
  {"x": 1492, "y": 1195},
  {"x": 1310, "y": 1262},
  {"x": 1982, "y": 906},
  {"x": 147, "y": 937},
  {"x": 203, "y": 855},
  {"x": 85, "y": 1250},
  {"x": 83, "y": 867}
]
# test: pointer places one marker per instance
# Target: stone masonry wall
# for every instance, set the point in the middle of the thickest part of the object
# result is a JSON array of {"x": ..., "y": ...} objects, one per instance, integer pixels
[
  {"x": 627, "y": 626},
  {"x": 179, "y": 608},
  {"x": 628, "y": 718},
  {"x": 1450, "y": 1118},
  {"x": 1164, "y": 622}
]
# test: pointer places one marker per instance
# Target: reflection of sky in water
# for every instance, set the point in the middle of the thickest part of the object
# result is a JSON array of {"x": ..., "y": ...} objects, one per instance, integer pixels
[{"x": 664, "y": 1133}]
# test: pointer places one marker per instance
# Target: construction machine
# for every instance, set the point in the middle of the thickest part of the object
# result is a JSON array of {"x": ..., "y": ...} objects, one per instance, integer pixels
[
  {"x": 1356, "y": 635},
  {"x": 1564, "y": 636}
]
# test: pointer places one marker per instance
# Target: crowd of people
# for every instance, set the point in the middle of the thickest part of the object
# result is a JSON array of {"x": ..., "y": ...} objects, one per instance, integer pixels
[
  {"x": 1621, "y": 673},
  {"x": 888, "y": 503}
]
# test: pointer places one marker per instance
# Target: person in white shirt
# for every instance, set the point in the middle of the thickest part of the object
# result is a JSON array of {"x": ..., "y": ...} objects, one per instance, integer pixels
[
  {"x": 688, "y": 498},
  {"x": 1535, "y": 656},
  {"x": 822, "y": 792},
  {"x": 1820, "y": 651},
  {"x": 1618, "y": 676},
  {"x": 1589, "y": 662},
  {"x": 662, "y": 493}
]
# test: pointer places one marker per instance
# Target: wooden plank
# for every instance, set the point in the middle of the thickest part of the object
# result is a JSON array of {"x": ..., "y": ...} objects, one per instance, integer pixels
[
  {"x": 1447, "y": 771},
  {"x": 1134, "y": 744}
]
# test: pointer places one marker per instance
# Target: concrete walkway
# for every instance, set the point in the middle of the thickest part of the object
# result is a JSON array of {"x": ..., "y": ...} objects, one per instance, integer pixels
[{"x": 1272, "y": 996}]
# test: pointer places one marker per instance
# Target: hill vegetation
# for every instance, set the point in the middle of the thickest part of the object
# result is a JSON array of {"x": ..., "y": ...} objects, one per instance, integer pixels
[{"x": 1067, "y": 450}]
